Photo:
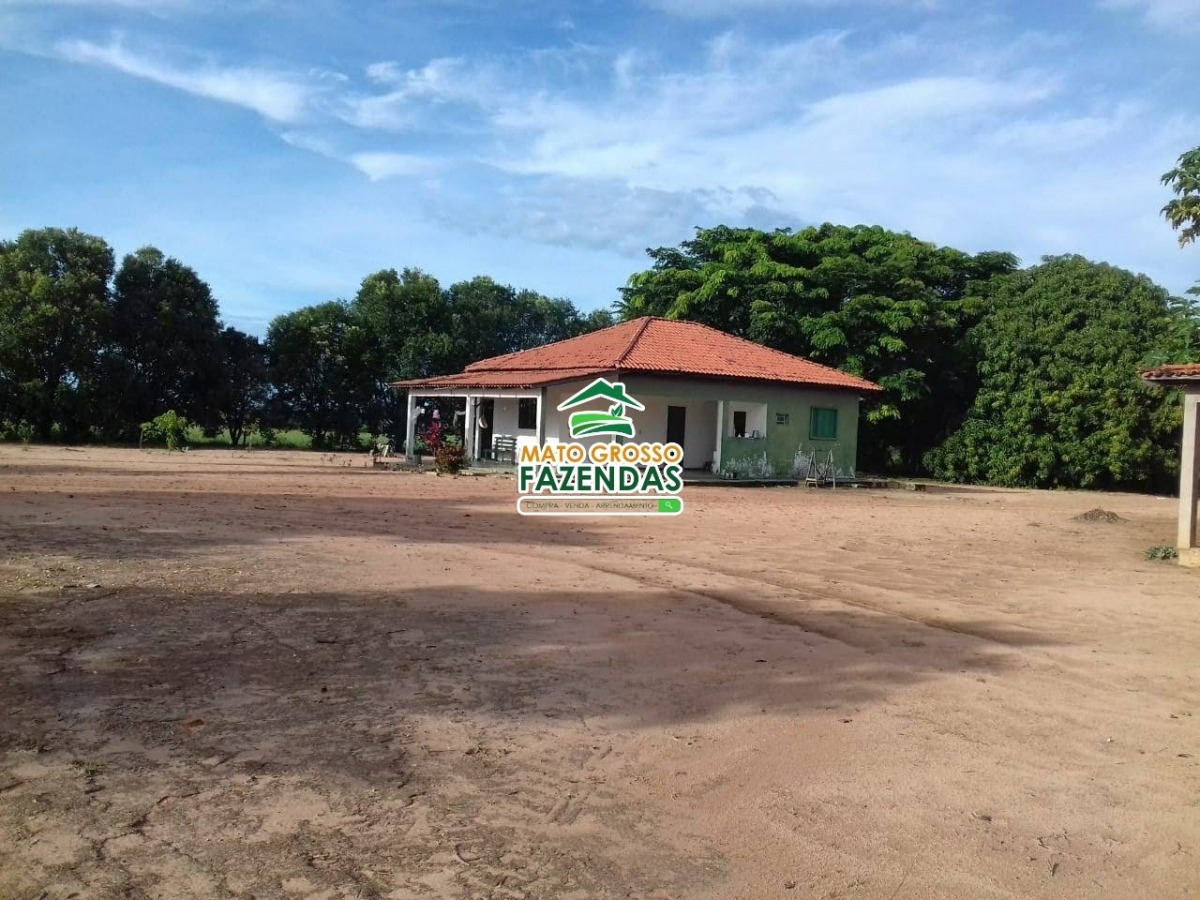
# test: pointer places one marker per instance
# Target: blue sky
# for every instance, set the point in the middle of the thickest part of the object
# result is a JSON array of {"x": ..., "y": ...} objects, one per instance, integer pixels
[{"x": 287, "y": 148}]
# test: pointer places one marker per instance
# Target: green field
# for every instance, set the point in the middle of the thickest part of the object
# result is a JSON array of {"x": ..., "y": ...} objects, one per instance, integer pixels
[{"x": 290, "y": 439}]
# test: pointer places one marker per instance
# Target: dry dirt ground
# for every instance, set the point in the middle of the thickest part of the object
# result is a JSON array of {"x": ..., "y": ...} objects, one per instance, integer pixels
[{"x": 285, "y": 675}]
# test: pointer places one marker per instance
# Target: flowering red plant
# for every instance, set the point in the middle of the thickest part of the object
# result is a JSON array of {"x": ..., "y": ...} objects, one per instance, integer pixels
[{"x": 433, "y": 436}]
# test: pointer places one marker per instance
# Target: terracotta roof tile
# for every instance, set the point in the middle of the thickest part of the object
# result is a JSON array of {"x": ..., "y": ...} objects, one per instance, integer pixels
[
  {"x": 1185, "y": 372},
  {"x": 601, "y": 349},
  {"x": 516, "y": 378},
  {"x": 662, "y": 346}
]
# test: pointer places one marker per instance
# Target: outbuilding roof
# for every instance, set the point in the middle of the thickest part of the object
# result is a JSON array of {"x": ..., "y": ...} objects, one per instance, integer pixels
[
  {"x": 1184, "y": 373},
  {"x": 647, "y": 345}
]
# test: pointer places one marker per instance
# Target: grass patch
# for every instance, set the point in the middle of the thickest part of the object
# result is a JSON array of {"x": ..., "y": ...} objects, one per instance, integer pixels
[
  {"x": 284, "y": 439},
  {"x": 1161, "y": 553}
]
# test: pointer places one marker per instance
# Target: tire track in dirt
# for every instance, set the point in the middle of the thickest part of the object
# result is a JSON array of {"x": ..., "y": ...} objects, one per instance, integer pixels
[{"x": 780, "y": 609}]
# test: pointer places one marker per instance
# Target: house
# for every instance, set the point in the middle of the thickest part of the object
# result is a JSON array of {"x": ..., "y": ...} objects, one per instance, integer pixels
[
  {"x": 1186, "y": 377},
  {"x": 733, "y": 405}
]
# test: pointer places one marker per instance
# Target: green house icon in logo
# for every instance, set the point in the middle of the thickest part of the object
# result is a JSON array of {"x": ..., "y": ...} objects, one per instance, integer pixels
[{"x": 614, "y": 421}]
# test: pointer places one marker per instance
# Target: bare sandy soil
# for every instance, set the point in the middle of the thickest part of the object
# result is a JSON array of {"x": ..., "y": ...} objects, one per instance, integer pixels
[{"x": 285, "y": 675}]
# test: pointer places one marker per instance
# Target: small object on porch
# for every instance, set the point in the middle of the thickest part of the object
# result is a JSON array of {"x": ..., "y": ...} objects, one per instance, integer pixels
[{"x": 504, "y": 445}]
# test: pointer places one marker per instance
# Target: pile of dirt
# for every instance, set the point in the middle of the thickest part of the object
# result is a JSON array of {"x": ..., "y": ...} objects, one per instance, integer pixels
[{"x": 1099, "y": 515}]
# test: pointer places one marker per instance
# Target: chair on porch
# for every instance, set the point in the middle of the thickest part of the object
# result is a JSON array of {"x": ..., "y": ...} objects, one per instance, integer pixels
[{"x": 503, "y": 445}]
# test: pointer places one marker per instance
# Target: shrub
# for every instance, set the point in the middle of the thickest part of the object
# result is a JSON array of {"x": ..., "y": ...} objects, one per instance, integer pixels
[
  {"x": 170, "y": 427},
  {"x": 450, "y": 458},
  {"x": 432, "y": 437},
  {"x": 1162, "y": 553}
]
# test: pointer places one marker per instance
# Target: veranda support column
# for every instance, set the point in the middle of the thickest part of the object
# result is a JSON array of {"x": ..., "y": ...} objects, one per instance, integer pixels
[
  {"x": 1189, "y": 474},
  {"x": 410, "y": 426},
  {"x": 469, "y": 430},
  {"x": 541, "y": 417},
  {"x": 720, "y": 435}
]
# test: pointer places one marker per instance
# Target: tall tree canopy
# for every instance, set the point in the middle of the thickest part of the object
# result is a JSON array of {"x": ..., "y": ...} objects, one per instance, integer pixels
[
  {"x": 245, "y": 385},
  {"x": 488, "y": 319},
  {"x": 166, "y": 351},
  {"x": 54, "y": 317},
  {"x": 324, "y": 382},
  {"x": 407, "y": 318},
  {"x": 1183, "y": 212},
  {"x": 871, "y": 301},
  {"x": 1060, "y": 403},
  {"x": 416, "y": 328}
]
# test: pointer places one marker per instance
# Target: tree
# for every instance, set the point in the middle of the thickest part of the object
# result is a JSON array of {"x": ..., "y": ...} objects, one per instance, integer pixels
[
  {"x": 417, "y": 329},
  {"x": 325, "y": 385},
  {"x": 1060, "y": 403},
  {"x": 408, "y": 321},
  {"x": 488, "y": 319},
  {"x": 245, "y": 384},
  {"x": 874, "y": 302},
  {"x": 1183, "y": 212},
  {"x": 54, "y": 314},
  {"x": 166, "y": 343}
]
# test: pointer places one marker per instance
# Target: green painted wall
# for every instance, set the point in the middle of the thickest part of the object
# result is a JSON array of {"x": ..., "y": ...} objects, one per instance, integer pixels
[{"x": 786, "y": 440}]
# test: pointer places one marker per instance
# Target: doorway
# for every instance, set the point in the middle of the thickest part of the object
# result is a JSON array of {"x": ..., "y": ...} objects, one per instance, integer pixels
[{"x": 676, "y": 424}]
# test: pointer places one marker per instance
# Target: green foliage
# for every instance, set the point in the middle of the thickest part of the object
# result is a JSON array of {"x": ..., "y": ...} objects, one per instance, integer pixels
[
  {"x": 1060, "y": 403},
  {"x": 1161, "y": 552},
  {"x": 55, "y": 312},
  {"x": 870, "y": 301},
  {"x": 1183, "y": 212},
  {"x": 165, "y": 344},
  {"x": 245, "y": 385},
  {"x": 169, "y": 427},
  {"x": 324, "y": 382},
  {"x": 419, "y": 329}
]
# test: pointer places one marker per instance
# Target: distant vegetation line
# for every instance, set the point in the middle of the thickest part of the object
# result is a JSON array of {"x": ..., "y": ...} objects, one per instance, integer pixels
[{"x": 991, "y": 372}]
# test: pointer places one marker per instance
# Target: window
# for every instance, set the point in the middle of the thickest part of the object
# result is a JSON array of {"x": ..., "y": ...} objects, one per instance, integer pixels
[
  {"x": 527, "y": 413},
  {"x": 782, "y": 418},
  {"x": 822, "y": 425}
]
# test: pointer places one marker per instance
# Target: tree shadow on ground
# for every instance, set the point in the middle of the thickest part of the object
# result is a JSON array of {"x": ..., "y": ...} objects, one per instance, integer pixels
[
  {"x": 163, "y": 524},
  {"x": 441, "y": 743},
  {"x": 269, "y": 669}
]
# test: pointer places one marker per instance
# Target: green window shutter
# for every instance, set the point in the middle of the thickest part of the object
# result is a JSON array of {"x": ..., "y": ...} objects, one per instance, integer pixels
[{"x": 822, "y": 424}]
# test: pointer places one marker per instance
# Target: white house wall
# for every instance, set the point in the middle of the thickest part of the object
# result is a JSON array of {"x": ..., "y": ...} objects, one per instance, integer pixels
[{"x": 504, "y": 422}]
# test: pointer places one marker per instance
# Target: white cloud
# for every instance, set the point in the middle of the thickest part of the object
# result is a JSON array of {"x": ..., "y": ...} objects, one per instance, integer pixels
[
  {"x": 722, "y": 9},
  {"x": 144, "y": 5},
  {"x": 977, "y": 151},
  {"x": 976, "y": 142},
  {"x": 153, "y": 7},
  {"x": 378, "y": 166},
  {"x": 275, "y": 95},
  {"x": 1172, "y": 16},
  {"x": 439, "y": 82}
]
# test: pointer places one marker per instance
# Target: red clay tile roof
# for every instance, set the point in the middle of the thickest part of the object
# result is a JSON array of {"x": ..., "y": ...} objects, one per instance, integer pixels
[
  {"x": 521, "y": 378},
  {"x": 1187, "y": 373},
  {"x": 649, "y": 344}
]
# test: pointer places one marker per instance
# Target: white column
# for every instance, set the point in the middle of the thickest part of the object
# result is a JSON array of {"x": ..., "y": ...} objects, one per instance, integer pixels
[
  {"x": 720, "y": 435},
  {"x": 469, "y": 435},
  {"x": 541, "y": 417},
  {"x": 410, "y": 425},
  {"x": 1189, "y": 471}
]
